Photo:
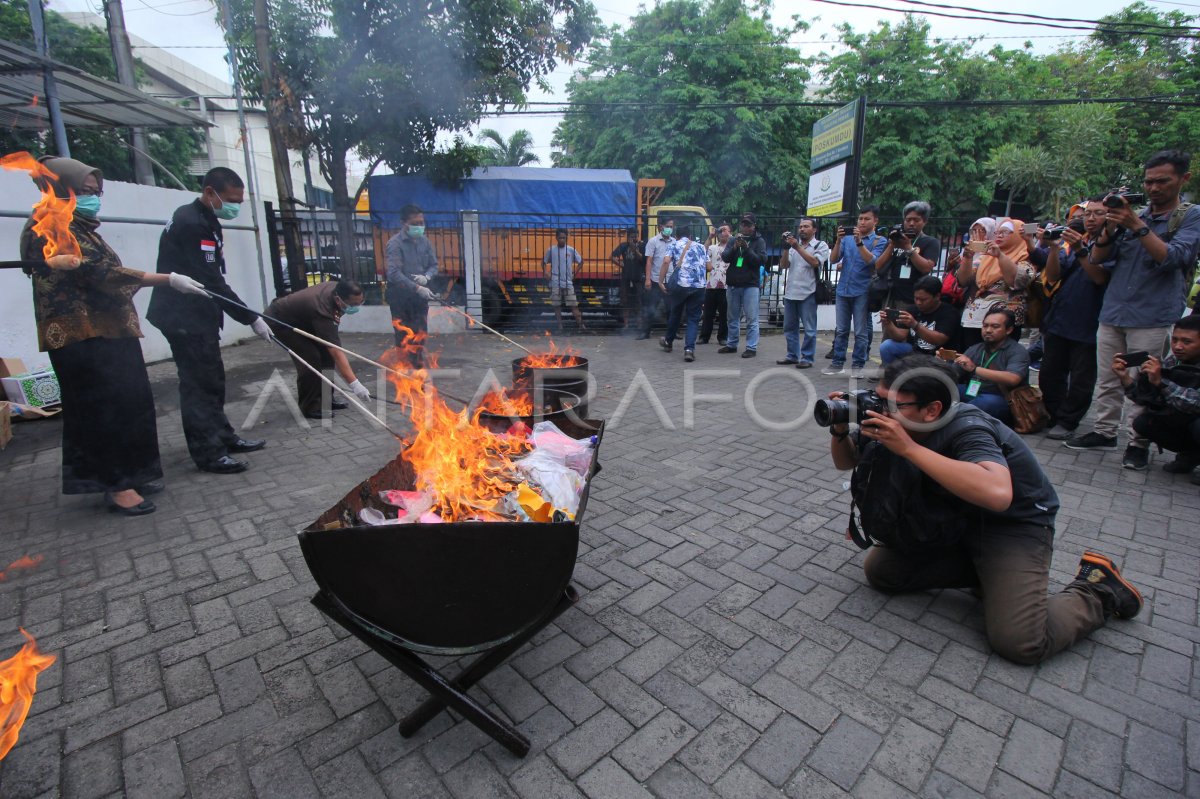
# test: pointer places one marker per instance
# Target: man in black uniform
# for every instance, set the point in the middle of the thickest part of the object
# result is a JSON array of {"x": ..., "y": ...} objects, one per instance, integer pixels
[{"x": 191, "y": 244}]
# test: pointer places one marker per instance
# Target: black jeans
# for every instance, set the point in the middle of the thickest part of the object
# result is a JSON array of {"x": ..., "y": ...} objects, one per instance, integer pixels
[
  {"x": 1171, "y": 430},
  {"x": 652, "y": 299},
  {"x": 202, "y": 396},
  {"x": 1067, "y": 379},
  {"x": 716, "y": 308}
]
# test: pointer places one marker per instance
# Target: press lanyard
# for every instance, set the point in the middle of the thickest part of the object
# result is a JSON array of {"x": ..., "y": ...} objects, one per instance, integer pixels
[{"x": 975, "y": 383}]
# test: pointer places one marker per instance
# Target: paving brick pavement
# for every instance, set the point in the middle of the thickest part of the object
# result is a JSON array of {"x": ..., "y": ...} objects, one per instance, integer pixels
[{"x": 725, "y": 643}]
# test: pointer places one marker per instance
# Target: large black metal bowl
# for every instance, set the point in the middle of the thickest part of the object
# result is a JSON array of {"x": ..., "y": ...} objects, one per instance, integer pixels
[{"x": 451, "y": 588}]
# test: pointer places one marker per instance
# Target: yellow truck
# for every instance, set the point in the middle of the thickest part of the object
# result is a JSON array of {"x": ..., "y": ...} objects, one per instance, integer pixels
[{"x": 519, "y": 209}]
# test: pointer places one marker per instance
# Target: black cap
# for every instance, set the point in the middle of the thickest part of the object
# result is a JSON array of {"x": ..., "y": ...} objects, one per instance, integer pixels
[{"x": 751, "y": 218}]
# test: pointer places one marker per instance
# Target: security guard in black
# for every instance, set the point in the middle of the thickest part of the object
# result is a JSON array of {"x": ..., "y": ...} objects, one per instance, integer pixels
[{"x": 192, "y": 245}]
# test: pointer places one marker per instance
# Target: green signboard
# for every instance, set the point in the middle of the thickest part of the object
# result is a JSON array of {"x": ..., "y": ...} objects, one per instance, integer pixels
[{"x": 833, "y": 136}]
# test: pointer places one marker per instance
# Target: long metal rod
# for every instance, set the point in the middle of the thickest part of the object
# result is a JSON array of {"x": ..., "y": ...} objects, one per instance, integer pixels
[
  {"x": 335, "y": 387},
  {"x": 475, "y": 321},
  {"x": 317, "y": 339}
]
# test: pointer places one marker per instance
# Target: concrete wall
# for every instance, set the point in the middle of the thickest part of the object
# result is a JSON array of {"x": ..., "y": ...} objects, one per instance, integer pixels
[{"x": 136, "y": 241}]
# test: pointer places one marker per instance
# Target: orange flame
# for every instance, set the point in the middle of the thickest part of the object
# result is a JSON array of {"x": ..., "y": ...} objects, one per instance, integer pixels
[
  {"x": 465, "y": 467},
  {"x": 502, "y": 403},
  {"x": 18, "y": 684},
  {"x": 52, "y": 215},
  {"x": 23, "y": 562},
  {"x": 554, "y": 358}
]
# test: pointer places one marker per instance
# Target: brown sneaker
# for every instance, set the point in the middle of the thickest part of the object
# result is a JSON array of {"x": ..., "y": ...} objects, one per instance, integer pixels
[{"x": 1098, "y": 569}]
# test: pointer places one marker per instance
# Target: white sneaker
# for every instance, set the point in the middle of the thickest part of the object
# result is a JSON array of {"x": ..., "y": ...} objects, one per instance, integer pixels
[
  {"x": 858, "y": 373},
  {"x": 834, "y": 370}
]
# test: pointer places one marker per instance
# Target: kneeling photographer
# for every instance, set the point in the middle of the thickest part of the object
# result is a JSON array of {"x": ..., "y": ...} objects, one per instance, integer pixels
[
  {"x": 1169, "y": 392},
  {"x": 946, "y": 497}
]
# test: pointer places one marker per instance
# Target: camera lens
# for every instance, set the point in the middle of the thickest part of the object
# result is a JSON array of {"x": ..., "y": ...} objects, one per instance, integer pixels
[{"x": 830, "y": 412}]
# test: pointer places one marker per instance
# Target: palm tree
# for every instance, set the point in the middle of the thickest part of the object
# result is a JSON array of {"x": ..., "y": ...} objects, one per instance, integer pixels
[{"x": 513, "y": 152}]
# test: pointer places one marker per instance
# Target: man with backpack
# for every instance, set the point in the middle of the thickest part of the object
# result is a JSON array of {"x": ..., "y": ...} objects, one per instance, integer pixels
[
  {"x": 1146, "y": 257},
  {"x": 957, "y": 500}
]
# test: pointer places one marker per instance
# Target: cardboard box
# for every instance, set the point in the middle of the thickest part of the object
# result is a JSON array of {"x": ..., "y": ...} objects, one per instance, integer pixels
[
  {"x": 36, "y": 389},
  {"x": 11, "y": 412},
  {"x": 11, "y": 367}
]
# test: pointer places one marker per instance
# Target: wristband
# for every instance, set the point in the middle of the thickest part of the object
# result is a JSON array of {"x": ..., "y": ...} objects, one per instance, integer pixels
[{"x": 839, "y": 436}]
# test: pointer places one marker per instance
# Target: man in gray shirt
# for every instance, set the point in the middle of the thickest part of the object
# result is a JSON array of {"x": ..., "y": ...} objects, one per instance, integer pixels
[
  {"x": 1146, "y": 257},
  {"x": 411, "y": 264},
  {"x": 563, "y": 260},
  {"x": 995, "y": 365}
]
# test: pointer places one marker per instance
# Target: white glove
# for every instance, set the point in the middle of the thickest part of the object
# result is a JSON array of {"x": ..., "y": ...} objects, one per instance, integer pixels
[
  {"x": 420, "y": 280},
  {"x": 185, "y": 284},
  {"x": 261, "y": 329},
  {"x": 424, "y": 293},
  {"x": 360, "y": 390}
]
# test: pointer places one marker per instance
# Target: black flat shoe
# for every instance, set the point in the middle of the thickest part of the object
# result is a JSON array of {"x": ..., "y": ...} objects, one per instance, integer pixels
[
  {"x": 339, "y": 405},
  {"x": 153, "y": 487},
  {"x": 141, "y": 509},
  {"x": 223, "y": 465},
  {"x": 242, "y": 445},
  {"x": 318, "y": 415}
]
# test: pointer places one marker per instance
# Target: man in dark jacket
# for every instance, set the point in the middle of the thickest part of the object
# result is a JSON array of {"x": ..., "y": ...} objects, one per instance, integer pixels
[
  {"x": 745, "y": 254},
  {"x": 192, "y": 244}
]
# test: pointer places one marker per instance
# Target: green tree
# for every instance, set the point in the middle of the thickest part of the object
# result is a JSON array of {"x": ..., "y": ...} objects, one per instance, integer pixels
[
  {"x": 514, "y": 151},
  {"x": 381, "y": 80},
  {"x": 87, "y": 48},
  {"x": 689, "y": 93},
  {"x": 1054, "y": 176}
]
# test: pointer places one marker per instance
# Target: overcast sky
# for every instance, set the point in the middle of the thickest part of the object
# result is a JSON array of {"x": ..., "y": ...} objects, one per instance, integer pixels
[{"x": 188, "y": 29}]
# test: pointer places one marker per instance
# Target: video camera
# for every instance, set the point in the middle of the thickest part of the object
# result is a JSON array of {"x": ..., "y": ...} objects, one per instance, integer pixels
[
  {"x": 1115, "y": 196},
  {"x": 900, "y": 231},
  {"x": 837, "y": 411}
]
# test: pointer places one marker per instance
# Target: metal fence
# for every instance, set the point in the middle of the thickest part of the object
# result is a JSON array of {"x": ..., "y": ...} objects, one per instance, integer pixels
[{"x": 515, "y": 287}]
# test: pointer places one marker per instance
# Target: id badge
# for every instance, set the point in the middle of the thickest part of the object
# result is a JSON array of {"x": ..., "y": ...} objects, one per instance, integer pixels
[
  {"x": 905, "y": 272},
  {"x": 973, "y": 386}
]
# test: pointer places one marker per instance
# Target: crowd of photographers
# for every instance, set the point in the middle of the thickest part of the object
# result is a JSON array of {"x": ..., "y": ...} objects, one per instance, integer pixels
[{"x": 1089, "y": 302}]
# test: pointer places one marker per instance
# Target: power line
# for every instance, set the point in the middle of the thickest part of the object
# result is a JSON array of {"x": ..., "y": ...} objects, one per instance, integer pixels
[
  {"x": 585, "y": 106},
  {"x": 1102, "y": 23},
  {"x": 1097, "y": 29}
]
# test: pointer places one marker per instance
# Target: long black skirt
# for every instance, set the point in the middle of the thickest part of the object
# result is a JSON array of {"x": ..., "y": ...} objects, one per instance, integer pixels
[{"x": 110, "y": 434}]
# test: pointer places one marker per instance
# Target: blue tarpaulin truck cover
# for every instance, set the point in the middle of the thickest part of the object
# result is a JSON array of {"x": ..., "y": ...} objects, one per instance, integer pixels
[{"x": 513, "y": 195}]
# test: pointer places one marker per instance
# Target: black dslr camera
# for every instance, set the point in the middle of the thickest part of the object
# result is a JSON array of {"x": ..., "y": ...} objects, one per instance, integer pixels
[
  {"x": 1115, "y": 196},
  {"x": 1051, "y": 231},
  {"x": 899, "y": 231},
  {"x": 837, "y": 411}
]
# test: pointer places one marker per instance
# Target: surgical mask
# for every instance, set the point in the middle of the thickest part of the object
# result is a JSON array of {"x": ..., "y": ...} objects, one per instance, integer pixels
[
  {"x": 416, "y": 231},
  {"x": 667, "y": 231},
  {"x": 228, "y": 210},
  {"x": 88, "y": 205},
  {"x": 351, "y": 309}
]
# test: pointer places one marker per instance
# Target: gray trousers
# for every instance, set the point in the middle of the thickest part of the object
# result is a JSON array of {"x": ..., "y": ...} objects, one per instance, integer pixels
[
  {"x": 1010, "y": 563},
  {"x": 1110, "y": 395}
]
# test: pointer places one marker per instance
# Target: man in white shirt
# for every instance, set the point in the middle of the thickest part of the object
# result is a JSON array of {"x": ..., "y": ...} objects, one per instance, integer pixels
[
  {"x": 715, "y": 306},
  {"x": 656, "y": 251},
  {"x": 803, "y": 258}
]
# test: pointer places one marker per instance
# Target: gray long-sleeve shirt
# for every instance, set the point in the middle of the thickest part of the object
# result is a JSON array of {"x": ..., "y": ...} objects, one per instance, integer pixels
[{"x": 408, "y": 256}]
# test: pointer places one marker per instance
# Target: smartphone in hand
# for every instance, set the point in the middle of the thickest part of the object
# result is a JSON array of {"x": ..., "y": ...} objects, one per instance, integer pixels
[
  {"x": 1134, "y": 359},
  {"x": 947, "y": 355}
]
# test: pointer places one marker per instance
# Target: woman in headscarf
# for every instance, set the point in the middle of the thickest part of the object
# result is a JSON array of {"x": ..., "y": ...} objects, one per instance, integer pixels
[
  {"x": 1000, "y": 275},
  {"x": 87, "y": 324}
]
